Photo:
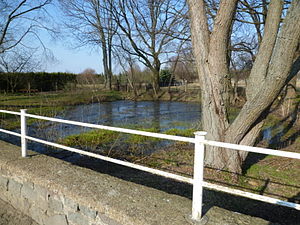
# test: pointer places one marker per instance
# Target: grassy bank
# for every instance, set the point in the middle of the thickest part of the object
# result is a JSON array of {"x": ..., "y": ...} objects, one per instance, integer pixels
[
  {"x": 270, "y": 176},
  {"x": 52, "y": 99},
  {"x": 49, "y": 103},
  {"x": 174, "y": 94}
]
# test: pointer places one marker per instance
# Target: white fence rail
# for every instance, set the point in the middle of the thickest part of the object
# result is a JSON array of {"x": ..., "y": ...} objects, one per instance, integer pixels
[{"x": 199, "y": 141}]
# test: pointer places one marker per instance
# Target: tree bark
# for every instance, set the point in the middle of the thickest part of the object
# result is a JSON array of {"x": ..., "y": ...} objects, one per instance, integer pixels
[
  {"x": 155, "y": 81},
  {"x": 289, "y": 98},
  {"x": 261, "y": 64},
  {"x": 213, "y": 74},
  {"x": 276, "y": 55}
]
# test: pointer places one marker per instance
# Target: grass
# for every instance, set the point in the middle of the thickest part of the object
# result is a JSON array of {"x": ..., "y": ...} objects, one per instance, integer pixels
[
  {"x": 271, "y": 176},
  {"x": 181, "y": 132},
  {"x": 232, "y": 113},
  {"x": 91, "y": 138},
  {"x": 175, "y": 94},
  {"x": 139, "y": 139},
  {"x": 49, "y": 104},
  {"x": 58, "y": 98},
  {"x": 97, "y": 138}
]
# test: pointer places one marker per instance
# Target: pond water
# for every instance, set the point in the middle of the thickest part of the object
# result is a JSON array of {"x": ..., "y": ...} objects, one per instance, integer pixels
[
  {"x": 162, "y": 115},
  {"x": 159, "y": 114}
]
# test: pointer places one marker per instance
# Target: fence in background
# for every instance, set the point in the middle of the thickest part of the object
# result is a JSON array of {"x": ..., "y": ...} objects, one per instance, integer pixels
[{"x": 199, "y": 141}]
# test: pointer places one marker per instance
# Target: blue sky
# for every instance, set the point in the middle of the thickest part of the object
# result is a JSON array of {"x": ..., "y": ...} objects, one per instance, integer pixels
[
  {"x": 67, "y": 58},
  {"x": 70, "y": 60}
]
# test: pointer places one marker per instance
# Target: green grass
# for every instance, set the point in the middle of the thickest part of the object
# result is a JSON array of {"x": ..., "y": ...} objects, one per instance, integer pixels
[
  {"x": 181, "y": 132},
  {"x": 140, "y": 139},
  {"x": 272, "y": 120},
  {"x": 233, "y": 113},
  {"x": 12, "y": 122},
  {"x": 272, "y": 171},
  {"x": 91, "y": 138},
  {"x": 58, "y": 98},
  {"x": 49, "y": 104},
  {"x": 96, "y": 138}
]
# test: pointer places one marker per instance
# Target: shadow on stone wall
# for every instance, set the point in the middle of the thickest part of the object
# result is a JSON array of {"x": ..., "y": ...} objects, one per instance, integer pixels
[{"x": 272, "y": 213}]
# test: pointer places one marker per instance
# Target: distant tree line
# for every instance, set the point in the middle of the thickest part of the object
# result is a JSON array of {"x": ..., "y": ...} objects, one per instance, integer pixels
[{"x": 35, "y": 82}]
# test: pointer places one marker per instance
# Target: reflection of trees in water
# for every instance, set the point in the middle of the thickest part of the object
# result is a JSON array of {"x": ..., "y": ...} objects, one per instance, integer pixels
[
  {"x": 156, "y": 115},
  {"x": 108, "y": 113}
]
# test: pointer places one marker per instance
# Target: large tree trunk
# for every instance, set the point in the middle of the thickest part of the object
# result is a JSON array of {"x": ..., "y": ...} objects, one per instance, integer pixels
[
  {"x": 269, "y": 75},
  {"x": 210, "y": 52}
]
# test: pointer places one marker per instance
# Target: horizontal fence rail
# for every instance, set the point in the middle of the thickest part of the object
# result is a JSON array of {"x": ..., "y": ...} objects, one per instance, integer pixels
[
  {"x": 246, "y": 148},
  {"x": 199, "y": 141},
  {"x": 10, "y": 112}
]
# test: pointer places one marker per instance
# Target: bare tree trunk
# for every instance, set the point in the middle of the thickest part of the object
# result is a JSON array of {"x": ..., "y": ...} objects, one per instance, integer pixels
[
  {"x": 290, "y": 95},
  {"x": 281, "y": 65},
  {"x": 213, "y": 74},
  {"x": 131, "y": 80},
  {"x": 260, "y": 68},
  {"x": 210, "y": 51},
  {"x": 105, "y": 61},
  {"x": 155, "y": 82},
  {"x": 173, "y": 73}
]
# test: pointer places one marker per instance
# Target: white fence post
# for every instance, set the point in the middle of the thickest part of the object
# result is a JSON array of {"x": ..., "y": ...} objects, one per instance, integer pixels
[
  {"x": 198, "y": 175},
  {"x": 23, "y": 133}
]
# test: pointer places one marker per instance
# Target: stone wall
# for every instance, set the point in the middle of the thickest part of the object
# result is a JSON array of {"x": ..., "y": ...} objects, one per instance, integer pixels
[
  {"x": 54, "y": 192},
  {"x": 47, "y": 207}
]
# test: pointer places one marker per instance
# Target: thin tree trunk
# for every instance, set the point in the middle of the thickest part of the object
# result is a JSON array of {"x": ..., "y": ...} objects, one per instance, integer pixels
[{"x": 155, "y": 82}]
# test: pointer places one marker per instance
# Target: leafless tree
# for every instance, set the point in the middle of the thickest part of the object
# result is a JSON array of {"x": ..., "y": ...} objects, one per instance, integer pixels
[
  {"x": 149, "y": 30},
  {"x": 274, "y": 66},
  {"x": 90, "y": 21},
  {"x": 130, "y": 70},
  {"x": 88, "y": 76},
  {"x": 20, "y": 20},
  {"x": 183, "y": 65},
  {"x": 20, "y": 60}
]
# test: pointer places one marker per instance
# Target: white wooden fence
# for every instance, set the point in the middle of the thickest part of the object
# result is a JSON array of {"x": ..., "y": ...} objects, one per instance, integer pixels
[{"x": 199, "y": 141}]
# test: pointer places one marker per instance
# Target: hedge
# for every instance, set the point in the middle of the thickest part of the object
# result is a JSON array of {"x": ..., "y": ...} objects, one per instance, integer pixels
[{"x": 32, "y": 82}]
